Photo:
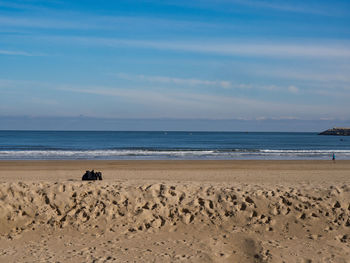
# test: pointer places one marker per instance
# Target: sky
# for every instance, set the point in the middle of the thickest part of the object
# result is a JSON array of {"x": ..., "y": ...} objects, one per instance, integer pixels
[{"x": 249, "y": 61}]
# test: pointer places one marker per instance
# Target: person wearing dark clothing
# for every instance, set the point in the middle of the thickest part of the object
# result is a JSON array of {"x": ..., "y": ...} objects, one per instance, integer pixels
[{"x": 91, "y": 176}]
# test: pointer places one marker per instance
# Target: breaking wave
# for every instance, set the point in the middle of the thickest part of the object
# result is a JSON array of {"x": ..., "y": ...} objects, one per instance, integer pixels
[{"x": 122, "y": 154}]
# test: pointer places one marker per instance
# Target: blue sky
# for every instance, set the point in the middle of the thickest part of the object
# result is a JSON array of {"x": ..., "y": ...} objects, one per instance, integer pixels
[{"x": 225, "y": 59}]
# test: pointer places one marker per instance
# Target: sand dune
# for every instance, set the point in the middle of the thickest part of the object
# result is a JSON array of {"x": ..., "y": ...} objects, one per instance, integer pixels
[{"x": 174, "y": 221}]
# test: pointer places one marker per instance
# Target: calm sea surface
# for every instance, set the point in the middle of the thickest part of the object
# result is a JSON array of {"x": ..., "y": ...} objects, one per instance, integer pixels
[{"x": 48, "y": 145}]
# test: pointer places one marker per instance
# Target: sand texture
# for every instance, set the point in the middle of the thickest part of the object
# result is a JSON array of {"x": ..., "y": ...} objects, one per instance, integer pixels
[{"x": 175, "y": 211}]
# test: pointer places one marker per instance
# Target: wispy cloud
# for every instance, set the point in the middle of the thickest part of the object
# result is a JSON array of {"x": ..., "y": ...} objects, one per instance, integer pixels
[
  {"x": 14, "y": 5},
  {"x": 82, "y": 21},
  {"x": 293, "y": 89},
  {"x": 173, "y": 80},
  {"x": 247, "y": 49},
  {"x": 307, "y": 7},
  {"x": 178, "y": 104},
  {"x": 144, "y": 102},
  {"x": 320, "y": 75},
  {"x": 303, "y": 7},
  {"x": 224, "y": 47},
  {"x": 44, "y": 23},
  {"x": 19, "y": 53},
  {"x": 42, "y": 101},
  {"x": 225, "y": 84},
  {"x": 33, "y": 6}
]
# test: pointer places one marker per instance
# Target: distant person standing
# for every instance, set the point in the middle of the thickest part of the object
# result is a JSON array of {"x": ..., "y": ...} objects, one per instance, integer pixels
[{"x": 333, "y": 157}]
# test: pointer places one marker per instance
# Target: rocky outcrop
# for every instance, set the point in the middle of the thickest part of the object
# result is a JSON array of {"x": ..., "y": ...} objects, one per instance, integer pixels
[{"x": 337, "y": 131}]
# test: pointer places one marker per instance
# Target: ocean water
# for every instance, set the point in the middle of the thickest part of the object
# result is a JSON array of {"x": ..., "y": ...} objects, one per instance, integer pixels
[{"x": 122, "y": 145}]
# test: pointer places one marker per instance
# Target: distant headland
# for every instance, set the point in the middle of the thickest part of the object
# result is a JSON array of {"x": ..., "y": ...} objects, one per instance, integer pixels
[{"x": 337, "y": 131}]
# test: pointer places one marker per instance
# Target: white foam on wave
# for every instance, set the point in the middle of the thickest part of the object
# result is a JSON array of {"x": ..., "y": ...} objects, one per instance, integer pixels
[
  {"x": 169, "y": 154},
  {"x": 306, "y": 151},
  {"x": 100, "y": 153}
]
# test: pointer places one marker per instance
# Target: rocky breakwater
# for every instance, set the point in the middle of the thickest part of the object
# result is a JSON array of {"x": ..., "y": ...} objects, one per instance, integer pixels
[{"x": 337, "y": 131}]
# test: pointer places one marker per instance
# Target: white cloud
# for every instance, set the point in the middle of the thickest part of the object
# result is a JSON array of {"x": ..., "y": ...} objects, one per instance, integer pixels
[
  {"x": 18, "y": 53},
  {"x": 200, "y": 82},
  {"x": 194, "y": 105},
  {"x": 144, "y": 102},
  {"x": 54, "y": 23},
  {"x": 42, "y": 101},
  {"x": 330, "y": 74},
  {"x": 224, "y": 47},
  {"x": 262, "y": 49},
  {"x": 306, "y": 7},
  {"x": 81, "y": 21},
  {"x": 173, "y": 80},
  {"x": 293, "y": 89},
  {"x": 21, "y": 5}
]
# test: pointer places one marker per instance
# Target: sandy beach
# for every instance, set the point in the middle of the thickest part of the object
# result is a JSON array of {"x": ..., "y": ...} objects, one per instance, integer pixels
[{"x": 169, "y": 211}]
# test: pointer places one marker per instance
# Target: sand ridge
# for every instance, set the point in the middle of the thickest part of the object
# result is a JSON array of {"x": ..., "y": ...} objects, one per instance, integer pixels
[{"x": 199, "y": 222}]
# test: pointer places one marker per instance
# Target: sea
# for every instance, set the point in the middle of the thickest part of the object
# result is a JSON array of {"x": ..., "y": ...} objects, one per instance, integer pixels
[{"x": 170, "y": 145}]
